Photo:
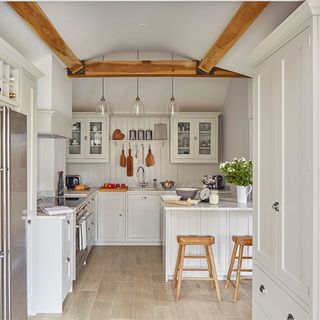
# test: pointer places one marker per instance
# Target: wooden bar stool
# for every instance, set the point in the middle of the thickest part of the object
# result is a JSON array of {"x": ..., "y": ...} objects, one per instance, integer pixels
[
  {"x": 207, "y": 242},
  {"x": 239, "y": 242}
]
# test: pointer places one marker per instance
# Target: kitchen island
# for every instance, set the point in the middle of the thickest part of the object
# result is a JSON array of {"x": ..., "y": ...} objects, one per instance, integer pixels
[{"x": 222, "y": 221}]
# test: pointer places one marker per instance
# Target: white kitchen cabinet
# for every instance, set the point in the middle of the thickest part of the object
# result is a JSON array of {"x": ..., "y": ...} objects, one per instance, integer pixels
[
  {"x": 111, "y": 217},
  {"x": 283, "y": 152},
  {"x": 194, "y": 137},
  {"x": 52, "y": 267},
  {"x": 143, "y": 217},
  {"x": 89, "y": 139}
]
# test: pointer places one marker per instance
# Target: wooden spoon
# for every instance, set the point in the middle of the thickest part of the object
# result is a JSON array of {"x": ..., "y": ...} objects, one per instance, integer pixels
[
  {"x": 149, "y": 158},
  {"x": 129, "y": 163},
  {"x": 123, "y": 159}
]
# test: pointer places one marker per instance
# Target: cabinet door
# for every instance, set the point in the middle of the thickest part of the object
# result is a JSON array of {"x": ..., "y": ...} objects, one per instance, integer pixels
[
  {"x": 77, "y": 143},
  {"x": 111, "y": 216},
  {"x": 144, "y": 217},
  {"x": 266, "y": 161},
  {"x": 294, "y": 240},
  {"x": 183, "y": 138},
  {"x": 96, "y": 137},
  {"x": 206, "y": 139},
  {"x": 66, "y": 257}
]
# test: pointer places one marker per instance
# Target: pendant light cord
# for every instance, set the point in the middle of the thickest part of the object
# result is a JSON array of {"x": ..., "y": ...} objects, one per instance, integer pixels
[
  {"x": 172, "y": 81},
  {"x": 102, "y": 83},
  {"x": 138, "y": 77}
]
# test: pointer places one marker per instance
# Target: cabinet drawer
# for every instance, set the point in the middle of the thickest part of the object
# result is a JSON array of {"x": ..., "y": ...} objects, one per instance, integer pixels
[
  {"x": 258, "y": 313},
  {"x": 275, "y": 302}
]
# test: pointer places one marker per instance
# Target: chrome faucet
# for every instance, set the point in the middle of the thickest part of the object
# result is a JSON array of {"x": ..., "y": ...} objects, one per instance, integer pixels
[{"x": 143, "y": 183}]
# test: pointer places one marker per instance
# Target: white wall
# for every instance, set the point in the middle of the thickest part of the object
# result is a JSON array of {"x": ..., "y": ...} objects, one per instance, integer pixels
[
  {"x": 51, "y": 160},
  {"x": 235, "y": 122}
]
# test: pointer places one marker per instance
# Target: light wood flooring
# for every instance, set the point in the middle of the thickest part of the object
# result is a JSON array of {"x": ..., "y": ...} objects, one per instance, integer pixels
[{"x": 127, "y": 283}]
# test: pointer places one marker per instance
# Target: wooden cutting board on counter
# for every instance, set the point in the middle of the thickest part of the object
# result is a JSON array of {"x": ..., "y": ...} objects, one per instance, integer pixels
[{"x": 102, "y": 189}]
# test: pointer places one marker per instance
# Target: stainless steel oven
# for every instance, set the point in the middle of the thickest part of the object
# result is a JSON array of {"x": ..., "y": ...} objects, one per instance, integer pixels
[{"x": 84, "y": 233}]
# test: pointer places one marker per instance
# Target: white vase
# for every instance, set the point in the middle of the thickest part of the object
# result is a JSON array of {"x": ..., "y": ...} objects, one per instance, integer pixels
[{"x": 242, "y": 193}]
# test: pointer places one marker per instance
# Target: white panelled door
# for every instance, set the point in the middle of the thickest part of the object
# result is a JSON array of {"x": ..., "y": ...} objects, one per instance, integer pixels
[
  {"x": 294, "y": 250},
  {"x": 265, "y": 154}
]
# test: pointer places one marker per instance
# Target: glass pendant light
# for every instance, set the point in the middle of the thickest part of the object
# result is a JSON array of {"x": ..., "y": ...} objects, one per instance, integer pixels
[
  {"x": 173, "y": 106},
  {"x": 138, "y": 107},
  {"x": 102, "y": 107}
]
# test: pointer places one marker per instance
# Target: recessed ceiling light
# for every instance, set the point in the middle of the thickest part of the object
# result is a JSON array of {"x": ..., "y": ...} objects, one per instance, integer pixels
[{"x": 142, "y": 25}]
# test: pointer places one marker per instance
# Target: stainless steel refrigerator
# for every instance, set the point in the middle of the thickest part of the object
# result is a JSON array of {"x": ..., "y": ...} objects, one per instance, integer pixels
[{"x": 13, "y": 196}]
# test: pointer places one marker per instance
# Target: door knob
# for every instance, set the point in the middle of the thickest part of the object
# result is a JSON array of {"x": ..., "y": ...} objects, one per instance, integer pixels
[
  {"x": 275, "y": 206},
  {"x": 262, "y": 289}
]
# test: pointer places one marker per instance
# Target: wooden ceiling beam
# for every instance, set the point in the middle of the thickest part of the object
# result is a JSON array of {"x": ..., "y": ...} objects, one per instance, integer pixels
[
  {"x": 31, "y": 13},
  {"x": 239, "y": 24},
  {"x": 149, "y": 68}
]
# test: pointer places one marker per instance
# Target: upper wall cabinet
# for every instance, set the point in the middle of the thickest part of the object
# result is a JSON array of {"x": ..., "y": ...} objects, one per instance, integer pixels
[
  {"x": 194, "y": 137},
  {"x": 89, "y": 140},
  {"x": 54, "y": 98}
]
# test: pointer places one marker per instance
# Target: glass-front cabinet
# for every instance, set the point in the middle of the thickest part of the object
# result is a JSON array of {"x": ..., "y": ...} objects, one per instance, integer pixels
[
  {"x": 89, "y": 139},
  {"x": 194, "y": 137}
]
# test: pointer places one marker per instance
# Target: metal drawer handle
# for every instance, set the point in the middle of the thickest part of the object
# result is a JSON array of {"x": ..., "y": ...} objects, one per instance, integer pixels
[
  {"x": 290, "y": 317},
  {"x": 262, "y": 289},
  {"x": 275, "y": 206}
]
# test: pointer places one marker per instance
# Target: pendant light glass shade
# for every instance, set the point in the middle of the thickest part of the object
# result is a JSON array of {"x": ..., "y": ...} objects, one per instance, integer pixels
[
  {"x": 102, "y": 107},
  {"x": 173, "y": 107},
  {"x": 138, "y": 107}
]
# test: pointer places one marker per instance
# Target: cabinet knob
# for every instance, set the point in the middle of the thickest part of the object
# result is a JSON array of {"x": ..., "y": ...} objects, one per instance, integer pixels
[
  {"x": 29, "y": 222},
  {"x": 89, "y": 229},
  {"x": 275, "y": 206},
  {"x": 68, "y": 221},
  {"x": 92, "y": 223},
  {"x": 144, "y": 198},
  {"x": 120, "y": 215},
  {"x": 68, "y": 259},
  {"x": 290, "y": 317},
  {"x": 262, "y": 289},
  {"x": 85, "y": 137}
]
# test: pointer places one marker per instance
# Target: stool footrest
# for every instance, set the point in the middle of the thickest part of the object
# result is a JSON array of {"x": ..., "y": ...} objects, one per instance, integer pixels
[
  {"x": 195, "y": 257},
  {"x": 194, "y": 269},
  {"x": 197, "y": 278},
  {"x": 245, "y": 270},
  {"x": 244, "y": 257}
]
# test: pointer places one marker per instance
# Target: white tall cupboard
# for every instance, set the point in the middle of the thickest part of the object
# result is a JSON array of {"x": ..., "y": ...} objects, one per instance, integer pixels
[{"x": 285, "y": 172}]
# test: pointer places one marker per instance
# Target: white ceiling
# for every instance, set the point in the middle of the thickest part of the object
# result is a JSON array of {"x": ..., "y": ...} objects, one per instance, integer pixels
[{"x": 186, "y": 29}]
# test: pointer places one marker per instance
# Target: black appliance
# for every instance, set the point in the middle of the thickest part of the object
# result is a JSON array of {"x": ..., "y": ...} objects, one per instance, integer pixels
[{"x": 72, "y": 181}]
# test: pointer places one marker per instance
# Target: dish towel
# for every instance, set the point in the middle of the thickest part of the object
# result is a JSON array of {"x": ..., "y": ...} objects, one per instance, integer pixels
[
  {"x": 51, "y": 211},
  {"x": 83, "y": 232}
]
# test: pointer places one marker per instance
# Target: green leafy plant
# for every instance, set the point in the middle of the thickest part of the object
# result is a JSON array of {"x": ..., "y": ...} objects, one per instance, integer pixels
[{"x": 238, "y": 171}]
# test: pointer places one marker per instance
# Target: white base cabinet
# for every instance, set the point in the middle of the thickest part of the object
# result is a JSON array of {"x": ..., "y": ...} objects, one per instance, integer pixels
[
  {"x": 111, "y": 217},
  {"x": 52, "y": 267},
  {"x": 143, "y": 217}
]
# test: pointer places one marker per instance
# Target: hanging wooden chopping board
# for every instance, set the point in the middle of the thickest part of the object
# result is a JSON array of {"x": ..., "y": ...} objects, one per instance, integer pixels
[
  {"x": 123, "y": 159},
  {"x": 149, "y": 158},
  {"x": 129, "y": 163}
]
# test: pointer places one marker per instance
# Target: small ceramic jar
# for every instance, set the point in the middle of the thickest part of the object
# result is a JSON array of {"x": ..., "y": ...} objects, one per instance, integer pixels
[{"x": 214, "y": 197}]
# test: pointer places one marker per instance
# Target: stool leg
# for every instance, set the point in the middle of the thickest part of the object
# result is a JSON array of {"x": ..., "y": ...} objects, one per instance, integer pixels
[
  {"x": 179, "y": 275},
  {"x": 239, "y": 266},
  {"x": 209, "y": 266},
  {"x": 177, "y": 268},
  {"x": 233, "y": 257},
  {"x": 214, "y": 273}
]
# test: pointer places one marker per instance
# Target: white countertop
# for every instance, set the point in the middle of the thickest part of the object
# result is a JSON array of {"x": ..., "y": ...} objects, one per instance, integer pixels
[{"x": 231, "y": 205}]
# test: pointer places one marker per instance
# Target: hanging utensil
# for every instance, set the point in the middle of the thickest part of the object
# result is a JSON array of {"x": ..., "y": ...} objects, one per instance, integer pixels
[
  {"x": 142, "y": 154},
  {"x": 136, "y": 154},
  {"x": 149, "y": 158},
  {"x": 129, "y": 163},
  {"x": 123, "y": 159}
]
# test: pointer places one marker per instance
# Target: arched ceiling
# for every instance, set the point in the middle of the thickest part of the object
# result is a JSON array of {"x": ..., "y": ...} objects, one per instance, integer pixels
[{"x": 185, "y": 28}]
